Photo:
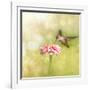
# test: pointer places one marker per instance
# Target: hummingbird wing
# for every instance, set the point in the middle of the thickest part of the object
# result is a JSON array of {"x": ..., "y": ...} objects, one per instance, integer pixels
[{"x": 72, "y": 37}]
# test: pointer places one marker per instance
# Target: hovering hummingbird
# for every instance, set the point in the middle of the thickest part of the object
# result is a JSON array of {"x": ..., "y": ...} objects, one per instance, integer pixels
[{"x": 64, "y": 39}]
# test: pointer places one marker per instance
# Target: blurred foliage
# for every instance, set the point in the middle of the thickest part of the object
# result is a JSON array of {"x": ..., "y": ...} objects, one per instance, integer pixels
[{"x": 41, "y": 28}]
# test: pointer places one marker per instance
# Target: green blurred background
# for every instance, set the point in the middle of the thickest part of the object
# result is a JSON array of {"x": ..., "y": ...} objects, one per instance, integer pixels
[{"x": 41, "y": 28}]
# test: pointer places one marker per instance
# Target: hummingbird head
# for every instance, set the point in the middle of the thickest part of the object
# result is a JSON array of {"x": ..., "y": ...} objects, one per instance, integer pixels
[{"x": 60, "y": 32}]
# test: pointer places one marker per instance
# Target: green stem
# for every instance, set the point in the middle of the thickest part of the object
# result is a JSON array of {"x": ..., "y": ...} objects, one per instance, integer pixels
[{"x": 50, "y": 61}]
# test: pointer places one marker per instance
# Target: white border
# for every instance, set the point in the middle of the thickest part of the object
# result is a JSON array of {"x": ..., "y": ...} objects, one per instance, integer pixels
[{"x": 15, "y": 62}]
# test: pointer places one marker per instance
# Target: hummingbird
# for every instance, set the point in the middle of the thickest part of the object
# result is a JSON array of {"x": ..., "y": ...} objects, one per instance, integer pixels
[{"x": 64, "y": 39}]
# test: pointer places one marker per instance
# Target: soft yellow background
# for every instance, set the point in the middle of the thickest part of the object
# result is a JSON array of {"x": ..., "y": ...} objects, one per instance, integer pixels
[{"x": 41, "y": 28}]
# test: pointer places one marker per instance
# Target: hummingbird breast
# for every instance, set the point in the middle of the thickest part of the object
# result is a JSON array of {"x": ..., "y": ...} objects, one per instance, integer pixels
[{"x": 61, "y": 38}]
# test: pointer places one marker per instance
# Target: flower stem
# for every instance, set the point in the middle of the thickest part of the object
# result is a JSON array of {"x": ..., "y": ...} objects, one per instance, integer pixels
[{"x": 50, "y": 61}]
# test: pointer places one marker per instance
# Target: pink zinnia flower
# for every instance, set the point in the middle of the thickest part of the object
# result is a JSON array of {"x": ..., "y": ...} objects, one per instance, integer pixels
[{"x": 50, "y": 49}]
